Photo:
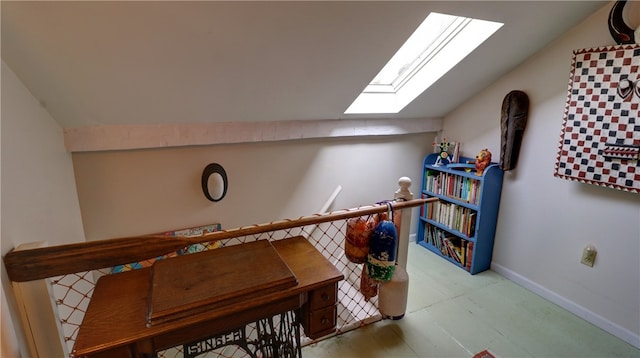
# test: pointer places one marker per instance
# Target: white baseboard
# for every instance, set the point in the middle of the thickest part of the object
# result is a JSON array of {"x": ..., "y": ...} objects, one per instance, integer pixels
[{"x": 599, "y": 321}]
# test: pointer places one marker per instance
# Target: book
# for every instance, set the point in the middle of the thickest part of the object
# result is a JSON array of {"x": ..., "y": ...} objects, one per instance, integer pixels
[
  {"x": 469, "y": 255},
  {"x": 452, "y": 250},
  {"x": 471, "y": 225},
  {"x": 455, "y": 157}
]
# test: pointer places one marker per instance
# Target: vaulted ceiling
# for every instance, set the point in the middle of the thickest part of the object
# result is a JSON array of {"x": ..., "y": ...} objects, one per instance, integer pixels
[{"x": 130, "y": 63}]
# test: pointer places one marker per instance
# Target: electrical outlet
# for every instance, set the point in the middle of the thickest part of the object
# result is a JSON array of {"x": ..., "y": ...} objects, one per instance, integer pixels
[{"x": 589, "y": 256}]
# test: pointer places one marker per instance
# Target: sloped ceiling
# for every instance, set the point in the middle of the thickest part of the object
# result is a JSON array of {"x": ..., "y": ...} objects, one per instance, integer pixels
[{"x": 147, "y": 63}]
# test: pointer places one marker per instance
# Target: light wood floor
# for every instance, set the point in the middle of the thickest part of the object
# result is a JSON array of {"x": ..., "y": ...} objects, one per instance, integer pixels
[{"x": 453, "y": 314}]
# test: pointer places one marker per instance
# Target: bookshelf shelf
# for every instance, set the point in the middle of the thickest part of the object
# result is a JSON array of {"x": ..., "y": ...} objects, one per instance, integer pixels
[{"x": 461, "y": 226}]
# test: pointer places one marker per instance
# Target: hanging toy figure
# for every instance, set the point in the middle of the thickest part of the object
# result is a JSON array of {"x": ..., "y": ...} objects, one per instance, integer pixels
[{"x": 383, "y": 247}]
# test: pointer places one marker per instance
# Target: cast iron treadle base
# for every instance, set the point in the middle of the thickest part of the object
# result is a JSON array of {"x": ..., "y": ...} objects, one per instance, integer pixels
[{"x": 276, "y": 337}]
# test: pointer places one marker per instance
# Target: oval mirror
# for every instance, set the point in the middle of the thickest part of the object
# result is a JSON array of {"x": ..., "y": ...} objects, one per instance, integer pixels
[{"x": 214, "y": 182}]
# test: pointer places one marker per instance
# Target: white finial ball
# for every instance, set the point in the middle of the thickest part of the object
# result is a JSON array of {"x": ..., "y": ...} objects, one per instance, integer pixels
[{"x": 404, "y": 182}]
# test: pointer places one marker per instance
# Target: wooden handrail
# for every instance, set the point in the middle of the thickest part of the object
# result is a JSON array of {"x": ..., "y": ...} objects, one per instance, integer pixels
[{"x": 39, "y": 263}]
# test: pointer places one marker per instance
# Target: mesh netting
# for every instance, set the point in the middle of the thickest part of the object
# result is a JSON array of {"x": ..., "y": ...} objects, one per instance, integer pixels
[{"x": 72, "y": 292}]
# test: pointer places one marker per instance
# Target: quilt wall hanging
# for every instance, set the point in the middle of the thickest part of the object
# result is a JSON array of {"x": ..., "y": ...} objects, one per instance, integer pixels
[{"x": 600, "y": 137}]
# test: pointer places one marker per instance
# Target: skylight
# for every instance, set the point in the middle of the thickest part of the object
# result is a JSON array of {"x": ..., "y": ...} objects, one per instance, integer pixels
[{"x": 438, "y": 44}]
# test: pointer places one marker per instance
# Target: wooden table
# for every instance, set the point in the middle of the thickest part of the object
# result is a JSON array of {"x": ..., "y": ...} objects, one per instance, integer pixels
[{"x": 117, "y": 322}]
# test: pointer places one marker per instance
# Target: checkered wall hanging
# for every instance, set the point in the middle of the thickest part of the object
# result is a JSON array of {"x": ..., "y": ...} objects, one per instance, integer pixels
[{"x": 600, "y": 138}]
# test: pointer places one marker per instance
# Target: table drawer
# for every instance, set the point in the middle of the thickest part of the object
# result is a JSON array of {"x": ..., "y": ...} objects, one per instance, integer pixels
[
  {"x": 323, "y": 297},
  {"x": 321, "y": 322}
]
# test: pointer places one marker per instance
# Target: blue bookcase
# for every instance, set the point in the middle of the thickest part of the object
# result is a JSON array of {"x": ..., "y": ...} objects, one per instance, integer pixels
[{"x": 460, "y": 227}]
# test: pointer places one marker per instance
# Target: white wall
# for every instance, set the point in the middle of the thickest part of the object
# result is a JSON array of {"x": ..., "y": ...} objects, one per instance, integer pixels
[
  {"x": 39, "y": 200},
  {"x": 545, "y": 222},
  {"x": 125, "y": 193}
]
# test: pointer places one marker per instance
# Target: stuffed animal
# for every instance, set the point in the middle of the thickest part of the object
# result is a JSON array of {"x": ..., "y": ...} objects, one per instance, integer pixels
[{"x": 483, "y": 159}]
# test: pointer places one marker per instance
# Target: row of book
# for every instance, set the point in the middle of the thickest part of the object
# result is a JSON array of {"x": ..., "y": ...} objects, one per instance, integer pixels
[
  {"x": 451, "y": 215},
  {"x": 452, "y": 246},
  {"x": 456, "y": 186}
]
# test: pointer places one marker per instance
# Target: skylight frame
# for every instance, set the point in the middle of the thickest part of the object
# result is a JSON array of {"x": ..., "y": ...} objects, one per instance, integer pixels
[{"x": 456, "y": 39}]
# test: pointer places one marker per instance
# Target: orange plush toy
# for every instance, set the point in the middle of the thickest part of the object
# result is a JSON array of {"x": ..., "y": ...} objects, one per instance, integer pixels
[{"x": 483, "y": 159}]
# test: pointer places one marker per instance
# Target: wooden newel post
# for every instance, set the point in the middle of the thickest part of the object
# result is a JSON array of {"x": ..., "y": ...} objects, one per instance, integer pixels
[
  {"x": 403, "y": 194},
  {"x": 393, "y": 294}
]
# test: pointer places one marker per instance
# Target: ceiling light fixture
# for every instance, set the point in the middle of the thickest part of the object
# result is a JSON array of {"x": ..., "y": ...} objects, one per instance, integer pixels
[{"x": 438, "y": 44}]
